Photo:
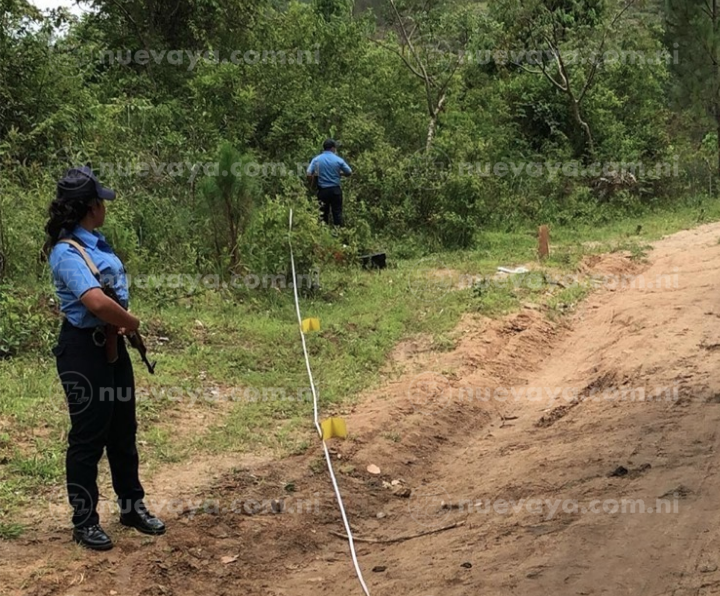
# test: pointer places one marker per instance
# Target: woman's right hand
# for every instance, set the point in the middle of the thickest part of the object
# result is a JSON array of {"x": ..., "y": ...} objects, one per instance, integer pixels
[{"x": 132, "y": 328}]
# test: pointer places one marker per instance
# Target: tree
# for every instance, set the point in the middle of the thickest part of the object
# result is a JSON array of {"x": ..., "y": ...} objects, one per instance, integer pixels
[
  {"x": 426, "y": 53},
  {"x": 162, "y": 25},
  {"x": 695, "y": 28},
  {"x": 334, "y": 8},
  {"x": 556, "y": 33},
  {"x": 230, "y": 192}
]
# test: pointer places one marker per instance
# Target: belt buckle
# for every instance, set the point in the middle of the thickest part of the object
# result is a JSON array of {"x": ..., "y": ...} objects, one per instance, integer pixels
[{"x": 99, "y": 331}]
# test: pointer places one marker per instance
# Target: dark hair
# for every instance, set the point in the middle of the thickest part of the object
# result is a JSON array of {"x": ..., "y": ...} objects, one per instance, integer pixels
[{"x": 64, "y": 213}]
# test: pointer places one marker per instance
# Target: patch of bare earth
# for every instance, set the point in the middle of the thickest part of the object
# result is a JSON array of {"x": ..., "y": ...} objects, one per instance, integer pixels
[
  {"x": 164, "y": 482},
  {"x": 521, "y": 409}
]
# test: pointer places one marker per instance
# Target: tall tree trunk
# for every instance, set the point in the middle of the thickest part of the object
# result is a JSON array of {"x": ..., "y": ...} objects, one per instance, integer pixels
[
  {"x": 433, "y": 123},
  {"x": 232, "y": 229},
  {"x": 584, "y": 126}
]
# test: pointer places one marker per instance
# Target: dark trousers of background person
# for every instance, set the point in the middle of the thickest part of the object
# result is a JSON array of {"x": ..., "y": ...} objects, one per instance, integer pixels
[
  {"x": 331, "y": 200},
  {"x": 101, "y": 400}
]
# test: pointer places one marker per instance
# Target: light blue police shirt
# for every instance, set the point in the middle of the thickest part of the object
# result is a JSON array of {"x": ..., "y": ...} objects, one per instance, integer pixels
[
  {"x": 329, "y": 165},
  {"x": 72, "y": 277}
]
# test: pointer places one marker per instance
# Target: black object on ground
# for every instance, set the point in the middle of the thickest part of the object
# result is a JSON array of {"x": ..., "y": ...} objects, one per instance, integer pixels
[{"x": 374, "y": 261}]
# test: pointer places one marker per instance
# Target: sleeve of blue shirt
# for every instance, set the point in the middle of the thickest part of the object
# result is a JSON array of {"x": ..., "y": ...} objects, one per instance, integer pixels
[
  {"x": 71, "y": 270},
  {"x": 344, "y": 167},
  {"x": 311, "y": 167}
]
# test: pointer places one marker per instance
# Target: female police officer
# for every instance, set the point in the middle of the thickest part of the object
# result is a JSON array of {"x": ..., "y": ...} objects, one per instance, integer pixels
[{"x": 100, "y": 394}]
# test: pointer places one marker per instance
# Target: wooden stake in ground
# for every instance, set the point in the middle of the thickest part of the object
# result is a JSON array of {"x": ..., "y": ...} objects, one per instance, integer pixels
[{"x": 543, "y": 242}]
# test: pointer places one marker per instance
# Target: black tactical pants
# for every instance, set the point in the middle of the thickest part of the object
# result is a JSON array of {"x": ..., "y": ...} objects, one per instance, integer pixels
[
  {"x": 331, "y": 200},
  {"x": 101, "y": 401}
]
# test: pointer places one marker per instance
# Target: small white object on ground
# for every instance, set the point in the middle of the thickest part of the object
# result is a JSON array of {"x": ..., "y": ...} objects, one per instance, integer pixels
[{"x": 513, "y": 271}]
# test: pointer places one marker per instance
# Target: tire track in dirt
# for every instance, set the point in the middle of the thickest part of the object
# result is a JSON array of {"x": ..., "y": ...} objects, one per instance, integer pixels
[{"x": 635, "y": 336}]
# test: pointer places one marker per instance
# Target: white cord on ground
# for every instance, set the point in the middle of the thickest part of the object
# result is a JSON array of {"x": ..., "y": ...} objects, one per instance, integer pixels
[{"x": 317, "y": 422}]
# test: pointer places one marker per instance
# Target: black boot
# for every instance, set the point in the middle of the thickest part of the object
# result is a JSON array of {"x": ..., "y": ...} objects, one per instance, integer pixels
[
  {"x": 142, "y": 520},
  {"x": 92, "y": 537}
]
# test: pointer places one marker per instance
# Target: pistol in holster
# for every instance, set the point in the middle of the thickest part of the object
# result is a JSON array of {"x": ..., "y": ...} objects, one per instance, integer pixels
[
  {"x": 106, "y": 337},
  {"x": 111, "y": 343}
]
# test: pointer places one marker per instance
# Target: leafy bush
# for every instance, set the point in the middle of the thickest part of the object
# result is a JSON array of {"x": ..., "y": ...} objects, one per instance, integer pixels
[
  {"x": 26, "y": 321},
  {"x": 352, "y": 83},
  {"x": 265, "y": 247}
]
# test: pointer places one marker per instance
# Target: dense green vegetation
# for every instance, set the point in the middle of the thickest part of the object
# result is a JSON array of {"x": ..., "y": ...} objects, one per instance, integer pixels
[
  {"x": 467, "y": 125},
  {"x": 458, "y": 117}
]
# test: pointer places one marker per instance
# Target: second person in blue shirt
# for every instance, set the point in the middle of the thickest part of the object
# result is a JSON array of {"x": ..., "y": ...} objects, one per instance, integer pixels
[{"x": 326, "y": 169}]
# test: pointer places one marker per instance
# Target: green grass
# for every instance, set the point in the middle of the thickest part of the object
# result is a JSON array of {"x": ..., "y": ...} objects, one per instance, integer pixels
[
  {"x": 221, "y": 344},
  {"x": 567, "y": 299},
  {"x": 10, "y": 530},
  {"x": 44, "y": 466}
]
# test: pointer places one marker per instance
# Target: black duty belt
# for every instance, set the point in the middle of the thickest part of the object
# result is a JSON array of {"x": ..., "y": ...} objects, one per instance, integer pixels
[{"x": 97, "y": 333}]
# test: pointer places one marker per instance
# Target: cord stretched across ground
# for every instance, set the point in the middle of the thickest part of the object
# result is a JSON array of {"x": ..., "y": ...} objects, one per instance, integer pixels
[{"x": 358, "y": 571}]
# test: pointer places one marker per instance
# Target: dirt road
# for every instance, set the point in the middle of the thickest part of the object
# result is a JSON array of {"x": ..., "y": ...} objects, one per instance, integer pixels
[{"x": 581, "y": 458}]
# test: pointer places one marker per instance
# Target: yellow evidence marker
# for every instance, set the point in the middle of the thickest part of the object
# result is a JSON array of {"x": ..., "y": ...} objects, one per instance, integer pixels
[
  {"x": 334, "y": 427},
  {"x": 310, "y": 325}
]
